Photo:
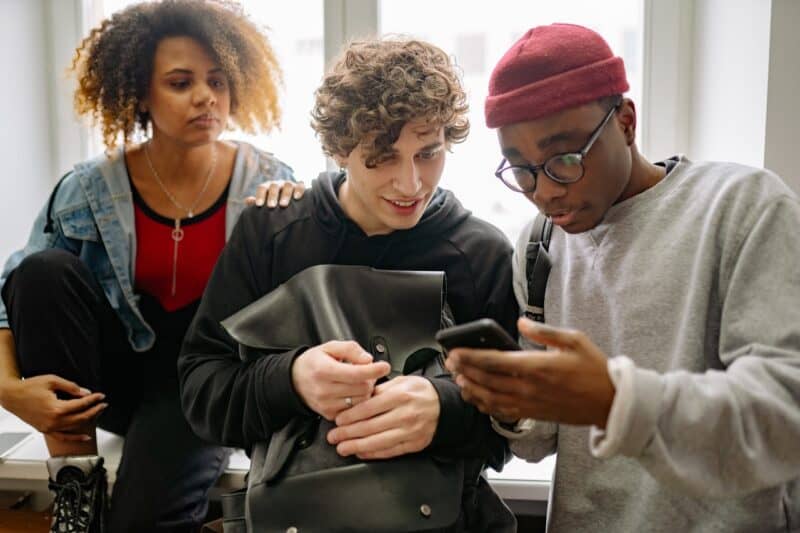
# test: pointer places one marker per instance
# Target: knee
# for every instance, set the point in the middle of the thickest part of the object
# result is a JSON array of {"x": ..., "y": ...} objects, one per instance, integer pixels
[{"x": 46, "y": 271}]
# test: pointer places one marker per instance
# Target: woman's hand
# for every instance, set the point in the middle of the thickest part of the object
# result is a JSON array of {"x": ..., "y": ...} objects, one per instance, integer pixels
[
  {"x": 34, "y": 400},
  {"x": 278, "y": 192}
]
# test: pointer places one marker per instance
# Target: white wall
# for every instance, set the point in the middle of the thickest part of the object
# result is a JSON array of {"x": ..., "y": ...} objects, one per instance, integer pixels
[
  {"x": 745, "y": 82},
  {"x": 731, "y": 57},
  {"x": 782, "y": 137},
  {"x": 25, "y": 148}
]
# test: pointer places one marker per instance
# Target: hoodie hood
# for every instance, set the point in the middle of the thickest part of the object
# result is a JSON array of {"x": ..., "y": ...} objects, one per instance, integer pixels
[{"x": 443, "y": 213}]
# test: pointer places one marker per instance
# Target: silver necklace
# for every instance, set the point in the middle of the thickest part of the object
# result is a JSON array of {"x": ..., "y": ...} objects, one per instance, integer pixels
[
  {"x": 190, "y": 210},
  {"x": 177, "y": 231}
]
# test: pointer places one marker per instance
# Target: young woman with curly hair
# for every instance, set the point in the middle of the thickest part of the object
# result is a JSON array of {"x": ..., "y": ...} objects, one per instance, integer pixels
[
  {"x": 96, "y": 305},
  {"x": 387, "y": 112}
]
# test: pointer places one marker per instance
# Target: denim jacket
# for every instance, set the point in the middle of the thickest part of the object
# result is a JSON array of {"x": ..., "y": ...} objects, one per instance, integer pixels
[{"x": 90, "y": 214}]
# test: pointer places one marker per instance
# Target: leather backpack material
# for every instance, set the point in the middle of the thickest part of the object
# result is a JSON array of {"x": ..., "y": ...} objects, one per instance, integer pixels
[{"x": 296, "y": 479}]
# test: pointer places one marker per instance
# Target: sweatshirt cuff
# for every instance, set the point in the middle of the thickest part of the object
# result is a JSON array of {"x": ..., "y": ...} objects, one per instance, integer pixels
[
  {"x": 451, "y": 424},
  {"x": 275, "y": 391},
  {"x": 634, "y": 411}
]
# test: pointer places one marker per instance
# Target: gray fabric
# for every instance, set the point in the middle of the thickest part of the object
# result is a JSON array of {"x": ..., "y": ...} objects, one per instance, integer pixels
[{"x": 697, "y": 280}]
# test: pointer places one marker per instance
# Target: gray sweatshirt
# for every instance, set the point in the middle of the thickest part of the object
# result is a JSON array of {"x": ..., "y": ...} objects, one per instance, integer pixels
[{"x": 692, "y": 288}]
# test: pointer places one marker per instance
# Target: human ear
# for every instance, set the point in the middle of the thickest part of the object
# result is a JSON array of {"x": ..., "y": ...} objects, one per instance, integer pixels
[{"x": 626, "y": 117}]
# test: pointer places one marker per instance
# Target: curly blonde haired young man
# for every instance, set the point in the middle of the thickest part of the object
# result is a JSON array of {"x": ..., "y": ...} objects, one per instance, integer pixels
[{"x": 387, "y": 113}]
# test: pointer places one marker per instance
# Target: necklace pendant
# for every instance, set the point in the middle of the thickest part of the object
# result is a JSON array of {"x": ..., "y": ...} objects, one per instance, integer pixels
[
  {"x": 177, "y": 232},
  {"x": 177, "y": 236},
  {"x": 191, "y": 214}
]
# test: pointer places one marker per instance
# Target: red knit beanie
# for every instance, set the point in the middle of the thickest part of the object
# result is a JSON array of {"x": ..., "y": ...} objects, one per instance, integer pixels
[{"x": 552, "y": 68}]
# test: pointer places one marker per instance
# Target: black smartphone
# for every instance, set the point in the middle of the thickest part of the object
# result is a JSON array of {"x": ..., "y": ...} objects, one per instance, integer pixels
[{"x": 484, "y": 333}]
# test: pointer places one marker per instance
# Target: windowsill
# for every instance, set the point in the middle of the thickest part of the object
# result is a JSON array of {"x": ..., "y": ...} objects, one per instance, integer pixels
[{"x": 25, "y": 466}]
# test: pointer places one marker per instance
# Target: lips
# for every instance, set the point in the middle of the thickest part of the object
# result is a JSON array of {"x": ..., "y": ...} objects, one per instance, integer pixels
[
  {"x": 204, "y": 119},
  {"x": 403, "y": 203},
  {"x": 562, "y": 217},
  {"x": 404, "y": 207}
]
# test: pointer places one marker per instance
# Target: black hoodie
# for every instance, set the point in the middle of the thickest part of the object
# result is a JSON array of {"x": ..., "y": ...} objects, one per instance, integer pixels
[{"x": 238, "y": 403}]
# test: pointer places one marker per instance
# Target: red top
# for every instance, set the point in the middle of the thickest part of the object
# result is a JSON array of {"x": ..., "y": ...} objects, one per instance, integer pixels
[{"x": 203, "y": 239}]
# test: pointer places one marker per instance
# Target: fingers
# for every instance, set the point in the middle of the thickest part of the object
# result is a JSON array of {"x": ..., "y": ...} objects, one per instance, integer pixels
[
  {"x": 290, "y": 190},
  {"x": 376, "y": 445},
  {"x": 299, "y": 190},
  {"x": 492, "y": 381},
  {"x": 273, "y": 191},
  {"x": 80, "y": 404},
  {"x": 549, "y": 335},
  {"x": 361, "y": 367},
  {"x": 381, "y": 402},
  {"x": 493, "y": 361},
  {"x": 330, "y": 408},
  {"x": 266, "y": 192},
  {"x": 362, "y": 426},
  {"x": 347, "y": 351},
  {"x": 278, "y": 192},
  {"x": 403, "y": 448},
  {"x": 487, "y": 401},
  {"x": 339, "y": 391},
  {"x": 79, "y": 419},
  {"x": 64, "y": 385},
  {"x": 350, "y": 374}
]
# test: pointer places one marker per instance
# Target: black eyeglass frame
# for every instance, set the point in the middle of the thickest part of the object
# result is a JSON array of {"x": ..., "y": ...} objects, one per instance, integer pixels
[{"x": 534, "y": 169}]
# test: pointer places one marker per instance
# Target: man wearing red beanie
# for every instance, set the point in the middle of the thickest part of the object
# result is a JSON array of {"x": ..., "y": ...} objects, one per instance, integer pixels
[{"x": 671, "y": 385}]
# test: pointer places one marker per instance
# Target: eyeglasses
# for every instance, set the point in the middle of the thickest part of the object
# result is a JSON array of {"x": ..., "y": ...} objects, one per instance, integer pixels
[{"x": 561, "y": 168}]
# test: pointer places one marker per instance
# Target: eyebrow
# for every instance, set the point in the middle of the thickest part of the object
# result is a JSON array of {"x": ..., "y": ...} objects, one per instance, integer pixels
[
  {"x": 557, "y": 137},
  {"x": 543, "y": 144},
  {"x": 189, "y": 71},
  {"x": 431, "y": 146}
]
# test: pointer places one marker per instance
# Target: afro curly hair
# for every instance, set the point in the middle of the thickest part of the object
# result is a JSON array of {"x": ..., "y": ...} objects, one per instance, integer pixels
[{"x": 114, "y": 63}]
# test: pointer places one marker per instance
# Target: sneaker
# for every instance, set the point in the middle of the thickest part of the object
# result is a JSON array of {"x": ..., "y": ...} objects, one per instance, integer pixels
[{"x": 80, "y": 487}]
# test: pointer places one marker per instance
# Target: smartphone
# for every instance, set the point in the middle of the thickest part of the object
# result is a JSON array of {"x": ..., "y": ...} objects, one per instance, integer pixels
[
  {"x": 484, "y": 333},
  {"x": 10, "y": 441}
]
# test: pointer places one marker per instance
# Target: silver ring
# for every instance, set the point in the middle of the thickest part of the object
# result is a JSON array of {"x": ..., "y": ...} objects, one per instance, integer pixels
[{"x": 348, "y": 401}]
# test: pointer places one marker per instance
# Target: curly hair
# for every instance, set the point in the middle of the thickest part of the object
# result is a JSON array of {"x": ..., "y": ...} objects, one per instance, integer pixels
[
  {"x": 378, "y": 86},
  {"x": 114, "y": 63}
]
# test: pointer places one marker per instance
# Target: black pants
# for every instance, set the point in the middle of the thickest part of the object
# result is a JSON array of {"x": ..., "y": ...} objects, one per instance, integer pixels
[{"x": 64, "y": 325}]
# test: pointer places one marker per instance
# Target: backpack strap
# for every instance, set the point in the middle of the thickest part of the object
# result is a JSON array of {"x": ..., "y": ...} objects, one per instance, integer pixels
[{"x": 537, "y": 266}]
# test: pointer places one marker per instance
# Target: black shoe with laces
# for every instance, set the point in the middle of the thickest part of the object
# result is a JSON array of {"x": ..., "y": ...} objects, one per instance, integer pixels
[{"x": 81, "y": 490}]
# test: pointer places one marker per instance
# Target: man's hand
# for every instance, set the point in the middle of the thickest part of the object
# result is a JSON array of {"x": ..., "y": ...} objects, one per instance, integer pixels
[
  {"x": 335, "y": 376},
  {"x": 568, "y": 384},
  {"x": 277, "y": 192},
  {"x": 400, "y": 418},
  {"x": 34, "y": 401}
]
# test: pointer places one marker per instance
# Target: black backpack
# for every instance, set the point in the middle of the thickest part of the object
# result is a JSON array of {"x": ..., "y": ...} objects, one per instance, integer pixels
[{"x": 537, "y": 266}]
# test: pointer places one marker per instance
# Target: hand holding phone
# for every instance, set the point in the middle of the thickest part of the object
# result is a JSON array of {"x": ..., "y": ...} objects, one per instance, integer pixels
[{"x": 484, "y": 333}]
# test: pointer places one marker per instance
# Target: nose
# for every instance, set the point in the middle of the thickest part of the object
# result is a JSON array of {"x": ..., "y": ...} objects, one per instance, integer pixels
[
  {"x": 407, "y": 180},
  {"x": 203, "y": 95},
  {"x": 547, "y": 190}
]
